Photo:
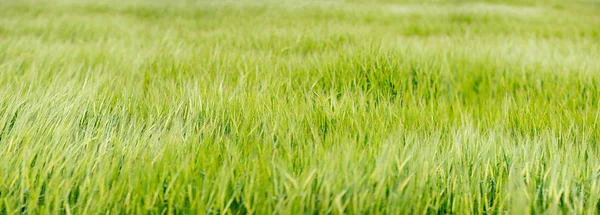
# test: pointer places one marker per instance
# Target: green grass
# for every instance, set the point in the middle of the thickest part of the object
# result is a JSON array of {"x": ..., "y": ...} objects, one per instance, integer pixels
[{"x": 299, "y": 107}]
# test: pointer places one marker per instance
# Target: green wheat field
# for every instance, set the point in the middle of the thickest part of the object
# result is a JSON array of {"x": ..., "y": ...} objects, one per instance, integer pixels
[{"x": 299, "y": 107}]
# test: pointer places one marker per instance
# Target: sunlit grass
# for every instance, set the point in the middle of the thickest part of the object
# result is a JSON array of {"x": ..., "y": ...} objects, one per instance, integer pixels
[{"x": 299, "y": 107}]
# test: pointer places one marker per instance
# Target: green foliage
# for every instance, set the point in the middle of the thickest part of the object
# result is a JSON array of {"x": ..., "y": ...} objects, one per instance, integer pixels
[{"x": 299, "y": 107}]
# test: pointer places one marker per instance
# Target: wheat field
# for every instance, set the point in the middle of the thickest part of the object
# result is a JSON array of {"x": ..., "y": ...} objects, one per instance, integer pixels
[{"x": 299, "y": 107}]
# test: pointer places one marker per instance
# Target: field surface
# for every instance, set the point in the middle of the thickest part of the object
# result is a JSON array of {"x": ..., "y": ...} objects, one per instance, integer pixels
[{"x": 299, "y": 107}]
